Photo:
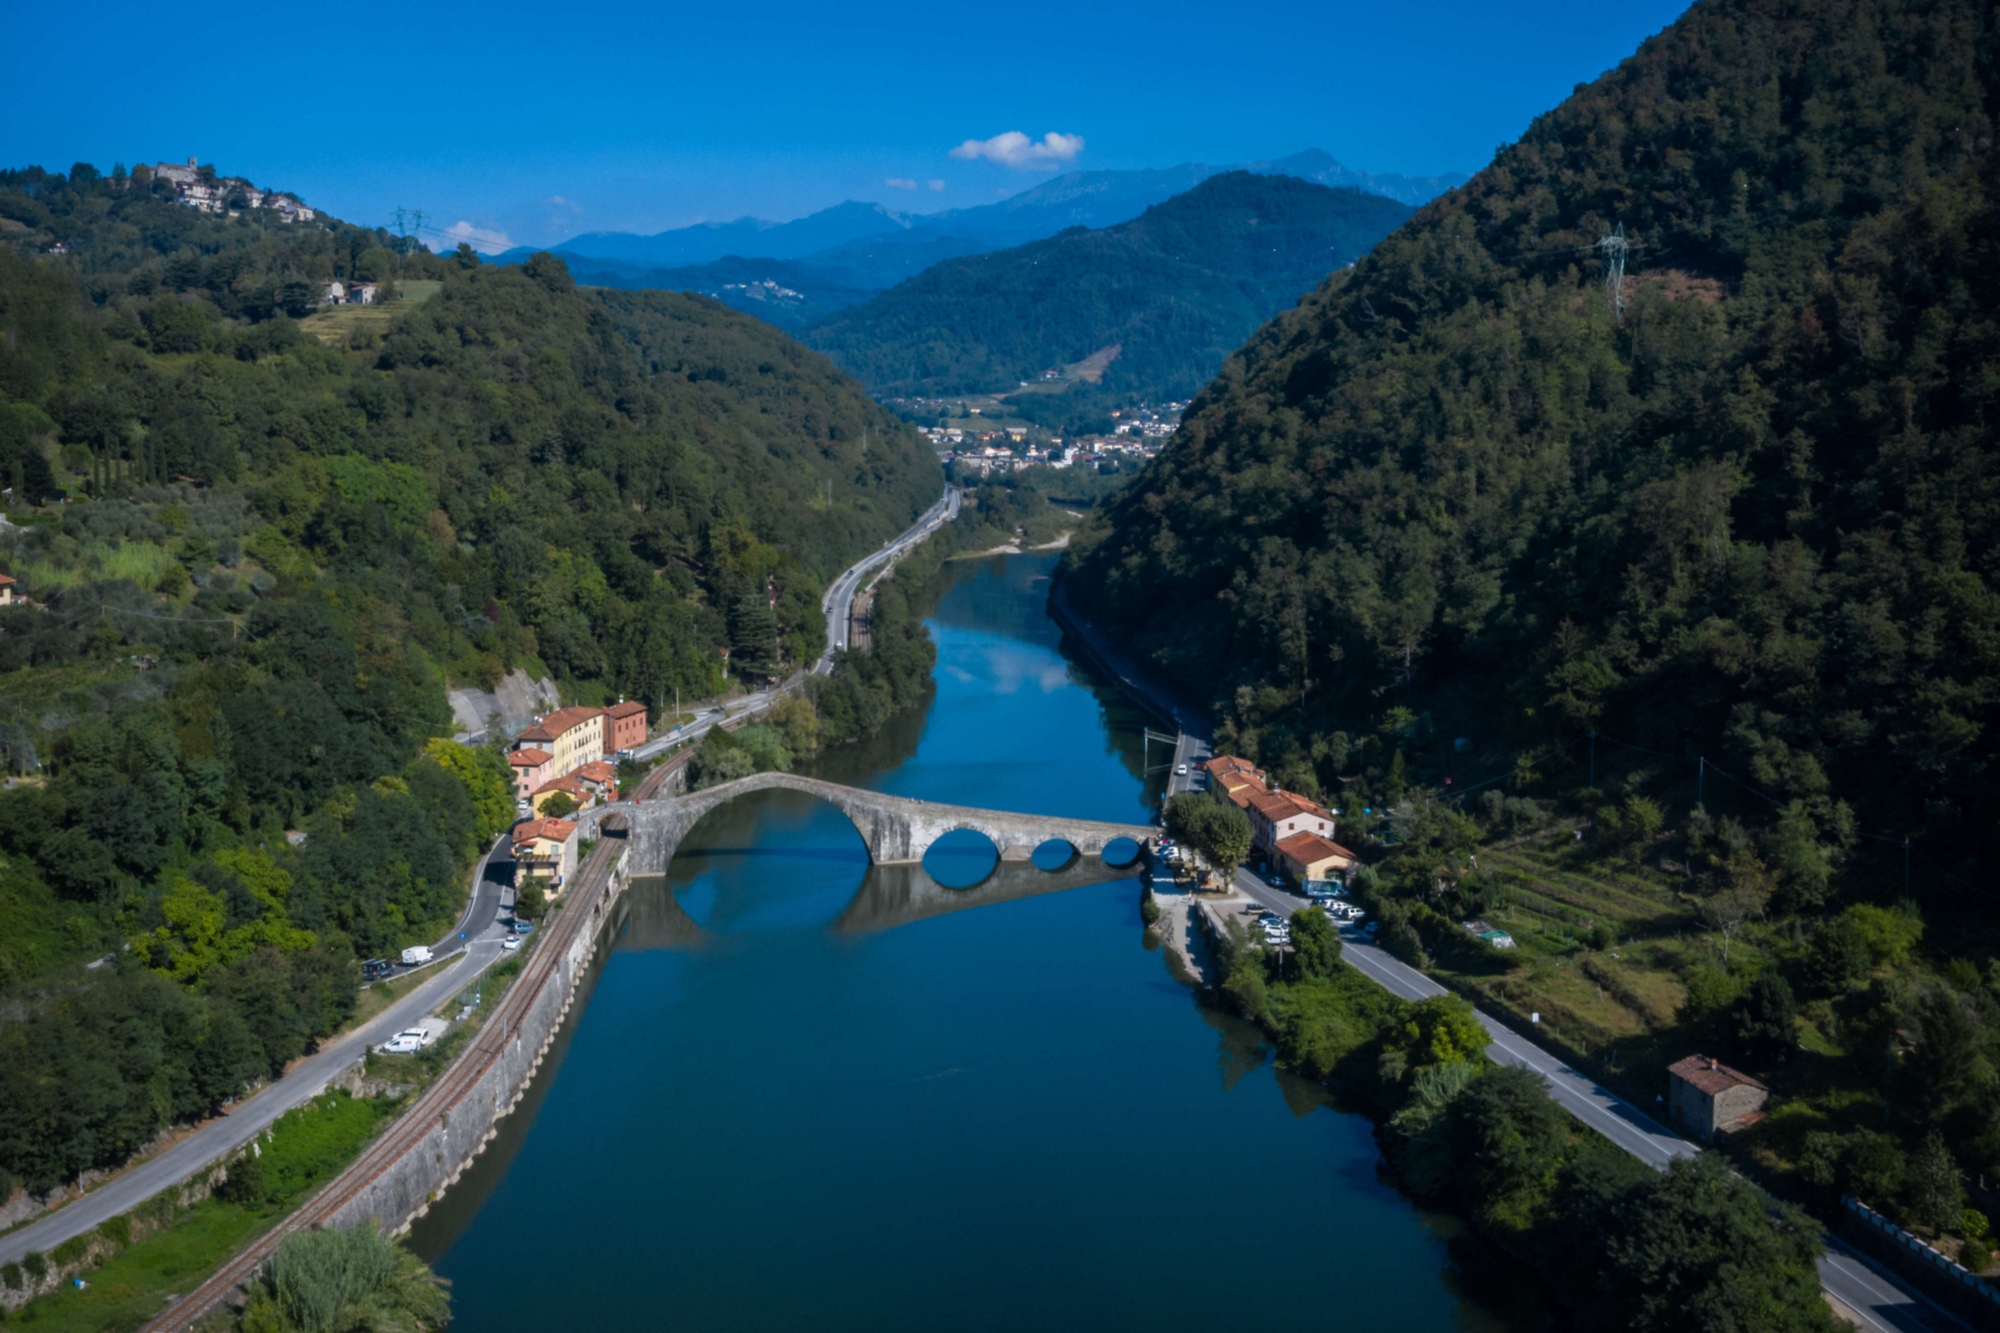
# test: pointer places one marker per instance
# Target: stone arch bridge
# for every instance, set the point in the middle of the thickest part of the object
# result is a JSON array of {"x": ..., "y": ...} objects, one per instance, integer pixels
[{"x": 895, "y": 829}]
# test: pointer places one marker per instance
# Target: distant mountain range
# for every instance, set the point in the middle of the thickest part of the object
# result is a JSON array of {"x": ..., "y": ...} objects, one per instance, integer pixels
[
  {"x": 1144, "y": 310},
  {"x": 841, "y": 254}
]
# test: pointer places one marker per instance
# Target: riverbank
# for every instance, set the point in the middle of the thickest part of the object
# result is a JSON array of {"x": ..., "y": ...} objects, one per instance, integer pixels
[{"x": 425, "y": 1149}]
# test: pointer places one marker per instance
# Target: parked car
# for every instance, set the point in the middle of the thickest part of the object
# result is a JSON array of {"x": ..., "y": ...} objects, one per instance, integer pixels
[
  {"x": 1181, "y": 771},
  {"x": 511, "y": 942},
  {"x": 1371, "y": 928},
  {"x": 416, "y": 953}
]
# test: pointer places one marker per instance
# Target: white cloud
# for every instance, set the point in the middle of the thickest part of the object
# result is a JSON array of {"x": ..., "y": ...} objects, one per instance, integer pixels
[
  {"x": 566, "y": 205},
  {"x": 482, "y": 239},
  {"x": 899, "y": 183},
  {"x": 937, "y": 187},
  {"x": 1015, "y": 149}
]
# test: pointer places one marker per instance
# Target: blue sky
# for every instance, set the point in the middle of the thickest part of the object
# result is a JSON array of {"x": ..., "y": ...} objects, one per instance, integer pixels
[{"x": 531, "y": 123}]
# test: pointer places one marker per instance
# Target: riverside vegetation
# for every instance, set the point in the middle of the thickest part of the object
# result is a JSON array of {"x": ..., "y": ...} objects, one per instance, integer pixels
[
  {"x": 284, "y": 534},
  {"x": 1695, "y": 577},
  {"x": 1625, "y": 1247}
]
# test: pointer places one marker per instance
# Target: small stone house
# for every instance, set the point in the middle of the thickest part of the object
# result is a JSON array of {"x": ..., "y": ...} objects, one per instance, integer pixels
[{"x": 1706, "y": 1097}]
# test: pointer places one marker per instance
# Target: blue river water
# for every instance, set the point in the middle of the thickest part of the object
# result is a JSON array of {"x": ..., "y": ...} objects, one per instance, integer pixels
[{"x": 783, "y": 1106}]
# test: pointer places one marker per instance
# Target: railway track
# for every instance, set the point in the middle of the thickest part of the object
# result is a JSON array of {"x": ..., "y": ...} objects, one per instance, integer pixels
[{"x": 409, "y": 1129}]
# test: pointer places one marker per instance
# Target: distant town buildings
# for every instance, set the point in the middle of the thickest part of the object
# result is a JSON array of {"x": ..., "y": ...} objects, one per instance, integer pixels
[{"x": 226, "y": 194}]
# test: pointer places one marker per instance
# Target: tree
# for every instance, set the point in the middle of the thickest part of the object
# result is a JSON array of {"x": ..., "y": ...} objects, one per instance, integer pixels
[
  {"x": 1937, "y": 1190},
  {"x": 559, "y": 805},
  {"x": 530, "y": 900},
  {"x": 1227, "y": 840},
  {"x": 1511, "y": 1139},
  {"x": 1315, "y": 943},
  {"x": 1765, "y": 1021},
  {"x": 1726, "y": 908},
  {"x": 1443, "y": 1030},
  {"x": 487, "y": 781},
  {"x": 1702, "y": 1249},
  {"x": 1221, "y": 833},
  {"x": 340, "y": 1281}
]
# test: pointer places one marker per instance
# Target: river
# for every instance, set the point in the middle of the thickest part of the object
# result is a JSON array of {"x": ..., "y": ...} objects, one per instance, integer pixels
[{"x": 769, "y": 1112}]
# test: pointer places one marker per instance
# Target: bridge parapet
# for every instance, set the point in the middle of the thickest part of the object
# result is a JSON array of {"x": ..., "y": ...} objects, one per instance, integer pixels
[{"x": 896, "y": 830}]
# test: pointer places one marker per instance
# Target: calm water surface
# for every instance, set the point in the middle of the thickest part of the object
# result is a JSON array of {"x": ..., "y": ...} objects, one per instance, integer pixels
[{"x": 780, "y": 1109}]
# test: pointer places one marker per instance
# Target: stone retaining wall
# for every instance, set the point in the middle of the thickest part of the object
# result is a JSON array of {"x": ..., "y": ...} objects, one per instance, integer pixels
[{"x": 405, "y": 1190}]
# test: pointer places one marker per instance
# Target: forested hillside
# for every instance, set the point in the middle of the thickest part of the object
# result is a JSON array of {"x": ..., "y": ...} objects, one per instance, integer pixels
[
  {"x": 1173, "y": 291},
  {"x": 1755, "y": 511},
  {"x": 1696, "y": 574},
  {"x": 280, "y": 540}
]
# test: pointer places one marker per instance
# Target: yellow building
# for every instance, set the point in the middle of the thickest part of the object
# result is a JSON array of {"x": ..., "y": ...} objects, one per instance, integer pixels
[{"x": 572, "y": 736}]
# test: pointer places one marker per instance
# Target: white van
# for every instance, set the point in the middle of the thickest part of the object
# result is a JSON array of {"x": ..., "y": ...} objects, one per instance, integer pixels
[
  {"x": 411, "y": 1040},
  {"x": 416, "y": 953}
]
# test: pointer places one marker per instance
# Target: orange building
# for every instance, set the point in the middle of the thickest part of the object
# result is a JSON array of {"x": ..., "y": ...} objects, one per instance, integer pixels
[
  {"x": 1307, "y": 856},
  {"x": 624, "y": 726}
]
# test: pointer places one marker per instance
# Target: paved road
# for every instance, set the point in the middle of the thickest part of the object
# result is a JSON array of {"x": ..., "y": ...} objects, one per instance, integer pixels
[
  {"x": 837, "y": 604},
  {"x": 460, "y": 961},
  {"x": 839, "y": 599},
  {"x": 1879, "y": 1299}
]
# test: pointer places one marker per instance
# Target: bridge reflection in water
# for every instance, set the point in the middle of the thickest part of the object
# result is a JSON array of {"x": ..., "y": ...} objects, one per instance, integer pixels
[{"x": 651, "y": 917}]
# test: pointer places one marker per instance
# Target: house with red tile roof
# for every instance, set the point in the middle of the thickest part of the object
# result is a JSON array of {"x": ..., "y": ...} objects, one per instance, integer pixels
[
  {"x": 1277, "y": 815},
  {"x": 545, "y": 849},
  {"x": 531, "y": 767},
  {"x": 1309, "y": 856},
  {"x": 572, "y": 736},
  {"x": 569, "y": 786},
  {"x": 1707, "y": 1097},
  {"x": 624, "y": 726},
  {"x": 600, "y": 778}
]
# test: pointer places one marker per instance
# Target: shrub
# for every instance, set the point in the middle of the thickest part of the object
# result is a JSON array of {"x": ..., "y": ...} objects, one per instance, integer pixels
[
  {"x": 70, "y": 1252},
  {"x": 36, "y": 1264},
  {"x": 10, "y": 1273},
  {"x": 117, "y": 1230},
  {"x": 244, "y": 1186}
]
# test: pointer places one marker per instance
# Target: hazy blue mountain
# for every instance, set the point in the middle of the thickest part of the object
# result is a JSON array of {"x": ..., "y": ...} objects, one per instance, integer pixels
[
  {"x": 1144, "y": 310},
  {"x": 872, "y": 247},
  {"x": 1321, "y": 168},
  {"x": 706, "y": 241}
]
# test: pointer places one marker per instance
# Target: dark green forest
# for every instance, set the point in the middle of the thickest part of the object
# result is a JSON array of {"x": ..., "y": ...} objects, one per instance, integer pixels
[
  {"x": 1754, "y": 510},
  {"x": 1176, "y": 289},
  {"x": 260, "y": 540},
  {"x": 1691, "y": 569}
]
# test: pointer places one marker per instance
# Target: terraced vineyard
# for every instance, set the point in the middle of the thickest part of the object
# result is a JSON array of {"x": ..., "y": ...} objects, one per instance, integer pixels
[{"x": 1604, "y": 947}]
